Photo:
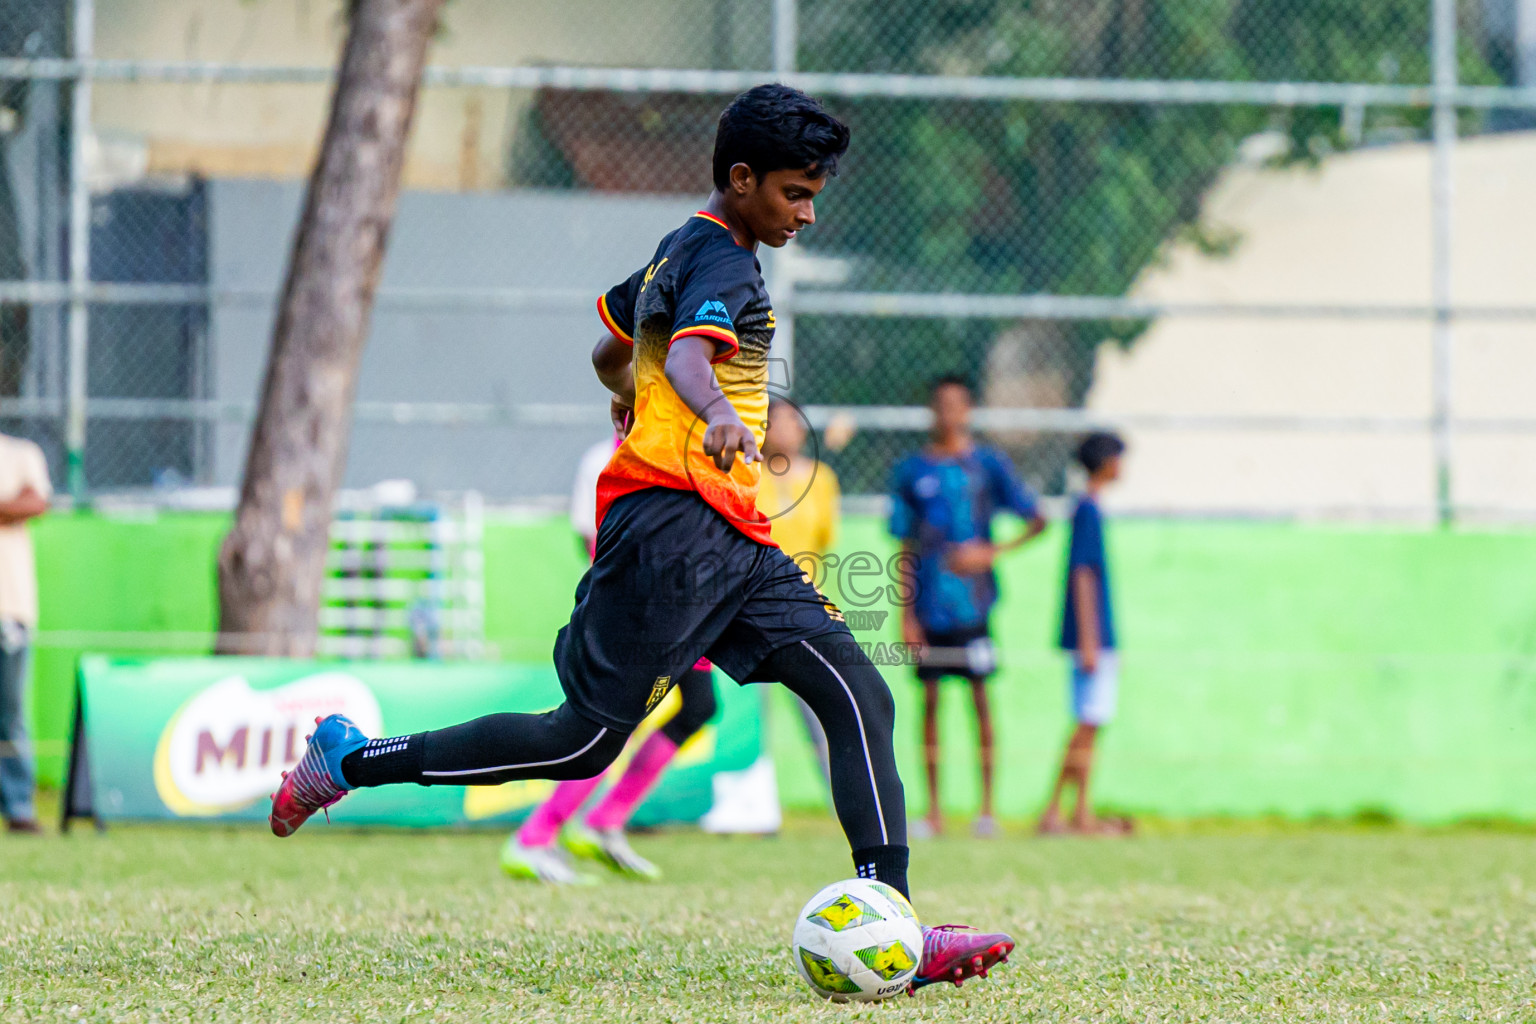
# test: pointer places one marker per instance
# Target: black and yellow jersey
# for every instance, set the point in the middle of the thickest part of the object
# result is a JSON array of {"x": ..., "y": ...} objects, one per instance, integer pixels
[{"x": 700, "y": 283}]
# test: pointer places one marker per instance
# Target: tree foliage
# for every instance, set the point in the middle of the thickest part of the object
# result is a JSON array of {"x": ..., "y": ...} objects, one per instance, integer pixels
[{"x": 1075, "y": 199}]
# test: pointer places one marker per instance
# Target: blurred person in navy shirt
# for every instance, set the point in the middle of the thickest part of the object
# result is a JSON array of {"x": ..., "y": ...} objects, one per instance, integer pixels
[
  {"x": 943, "y": 500},
  {"x": 1088, "y": 633}
]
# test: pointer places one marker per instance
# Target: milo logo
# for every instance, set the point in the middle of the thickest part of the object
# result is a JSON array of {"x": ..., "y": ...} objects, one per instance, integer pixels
[{"x": 229, "y": 744}]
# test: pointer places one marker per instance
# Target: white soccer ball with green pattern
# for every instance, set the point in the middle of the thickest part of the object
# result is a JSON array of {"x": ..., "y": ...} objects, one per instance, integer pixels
[{"x": 857, "y": 940}]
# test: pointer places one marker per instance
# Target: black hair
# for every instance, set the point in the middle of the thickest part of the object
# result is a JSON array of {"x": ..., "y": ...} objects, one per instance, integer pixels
[
  {"x": 775, "y": 128},
  {"x": 950, "y": 380},
  {"x": 1098, "y": 448}
]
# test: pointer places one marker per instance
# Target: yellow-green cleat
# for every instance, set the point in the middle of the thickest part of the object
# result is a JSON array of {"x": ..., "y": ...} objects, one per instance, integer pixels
[
  {"x": 545, "y": 864},
  {"x": 610, "y": 848}
]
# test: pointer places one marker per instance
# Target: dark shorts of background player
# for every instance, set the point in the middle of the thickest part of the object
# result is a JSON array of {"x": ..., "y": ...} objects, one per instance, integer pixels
[
  {"x": 672, "y": 581},
  {"x": 963, "y": 653}
]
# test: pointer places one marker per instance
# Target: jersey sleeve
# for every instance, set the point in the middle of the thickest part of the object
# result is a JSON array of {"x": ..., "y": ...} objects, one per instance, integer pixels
[
  {"x": 712, "y": 294},
  {"x": 1008, "y": 491},
  {"x": 905, "y": 515},
  {"x": 616, "y": 307},
  {"x": 1087, "y": 538}
]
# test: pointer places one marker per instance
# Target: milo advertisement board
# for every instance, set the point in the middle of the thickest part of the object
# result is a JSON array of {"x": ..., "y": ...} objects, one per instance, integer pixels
[{"x": 206, "y": 739}]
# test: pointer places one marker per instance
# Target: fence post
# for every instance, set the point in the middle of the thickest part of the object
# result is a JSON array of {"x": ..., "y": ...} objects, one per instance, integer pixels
[
  {"x": 786, "y": 34},
  {"x": 82, "y": 36},
  {"x": 1443, "y": 44},
  {"x": 786, "y": 40}
]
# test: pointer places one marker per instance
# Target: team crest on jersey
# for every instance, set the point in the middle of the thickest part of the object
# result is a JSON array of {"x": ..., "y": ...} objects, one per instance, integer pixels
[
  {"x": 833, "y": 612},
  {"x": 714, "y": 310},
  {"x": 658, "y": 690}
]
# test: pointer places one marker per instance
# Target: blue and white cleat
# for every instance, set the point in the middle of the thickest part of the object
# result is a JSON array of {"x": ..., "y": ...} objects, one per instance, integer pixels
[{"x": 316, "y": 782}]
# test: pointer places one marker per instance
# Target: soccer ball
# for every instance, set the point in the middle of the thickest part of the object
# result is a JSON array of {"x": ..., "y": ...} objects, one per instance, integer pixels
[{"x": 857, "y": 940}]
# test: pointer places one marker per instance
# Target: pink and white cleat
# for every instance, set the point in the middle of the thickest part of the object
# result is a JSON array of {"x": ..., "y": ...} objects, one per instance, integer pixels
[
  {"x": 316, "y": 782},
  {"x": 955, "y": 952}
]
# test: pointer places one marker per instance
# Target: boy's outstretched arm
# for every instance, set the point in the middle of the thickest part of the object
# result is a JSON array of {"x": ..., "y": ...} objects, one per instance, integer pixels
[
  {"x": 691, "y": 376},
  {"x": 26, "y": 505},
  {"x": 614, "y": 362},
  {"x": 1034, "y": 526},
  {"x": 1012, "y": 495},
  {"x": 975, "y": 556}
]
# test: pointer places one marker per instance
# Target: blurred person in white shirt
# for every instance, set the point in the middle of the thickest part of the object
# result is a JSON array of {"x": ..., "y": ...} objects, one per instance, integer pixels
[{"x": 24, "y": 494}]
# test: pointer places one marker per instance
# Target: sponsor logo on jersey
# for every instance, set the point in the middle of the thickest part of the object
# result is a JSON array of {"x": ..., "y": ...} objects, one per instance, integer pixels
[
  {"x": 650, "y": 272},
  {"x": 714, "y": 311}
]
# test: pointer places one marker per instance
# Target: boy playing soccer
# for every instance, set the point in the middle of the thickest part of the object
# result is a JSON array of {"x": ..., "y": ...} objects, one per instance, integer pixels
[
  {"x": 685, "y": 566},
  {"x": 1088, "y": 632},
  {"x": 538, "y": 850}
]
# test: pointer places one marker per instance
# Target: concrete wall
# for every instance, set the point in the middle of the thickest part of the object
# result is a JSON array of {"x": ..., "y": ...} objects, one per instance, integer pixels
[
  {"x": 1354, "y": 230},
  {"x": 1269, "y": 668},
  {"x": 462, "y": 136},
  {"x": 565, "y": 241}
]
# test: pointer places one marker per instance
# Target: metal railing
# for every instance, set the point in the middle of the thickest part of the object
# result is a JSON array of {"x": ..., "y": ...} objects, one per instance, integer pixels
[{"x": 79, "y": 296}]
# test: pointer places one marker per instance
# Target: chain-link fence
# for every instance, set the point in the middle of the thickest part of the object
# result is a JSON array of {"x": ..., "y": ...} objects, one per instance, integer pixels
[{"x": 1227, "y": 227}]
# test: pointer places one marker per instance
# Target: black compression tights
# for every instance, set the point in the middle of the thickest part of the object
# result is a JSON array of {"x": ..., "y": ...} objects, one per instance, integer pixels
[
  {"x": 834, "y": 677},
  {"x": 488, "y": 751},
  {"x": 697, "y": 689},
  {"x": 830, "y": 673}
]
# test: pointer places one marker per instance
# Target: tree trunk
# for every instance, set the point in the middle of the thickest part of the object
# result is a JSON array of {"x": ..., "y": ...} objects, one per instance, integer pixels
[{"x": 273, "y": 560}]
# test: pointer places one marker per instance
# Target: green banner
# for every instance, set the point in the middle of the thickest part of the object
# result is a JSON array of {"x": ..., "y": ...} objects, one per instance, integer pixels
[{"x": 207, "y": 738}]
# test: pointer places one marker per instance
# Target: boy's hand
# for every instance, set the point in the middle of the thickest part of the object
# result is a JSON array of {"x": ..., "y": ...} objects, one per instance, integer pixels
[
  {"x": 723, "y": 440},
  {"x": 911, "y": 629},
  {"x": 970, "y": 558},
  {"x": 1032, "y": 529},
  {"x": 693, "y": 378},
  {"x": 1088, "y": 658},
  {"x": 622, "y": 414}
]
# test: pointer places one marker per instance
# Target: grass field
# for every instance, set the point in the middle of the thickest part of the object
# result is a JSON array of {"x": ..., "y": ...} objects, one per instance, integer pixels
[{"x": 1332, "y": 923}]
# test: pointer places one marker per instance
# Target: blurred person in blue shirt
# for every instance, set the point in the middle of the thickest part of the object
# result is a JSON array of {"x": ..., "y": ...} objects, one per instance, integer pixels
[
  {"x": 943, "y": 500},
  {"x": 1088, "y": 633}
]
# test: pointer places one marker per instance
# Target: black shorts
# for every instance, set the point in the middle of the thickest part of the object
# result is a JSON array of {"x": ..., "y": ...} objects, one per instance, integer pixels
[
  {"x": 958, "y": 652},
  {"x": 673, "y": 581}
]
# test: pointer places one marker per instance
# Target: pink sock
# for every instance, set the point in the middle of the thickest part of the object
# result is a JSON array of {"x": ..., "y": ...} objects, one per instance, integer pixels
[
  {"x": 544, "y": 823},
  {"x": 649, "y": 762}
]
